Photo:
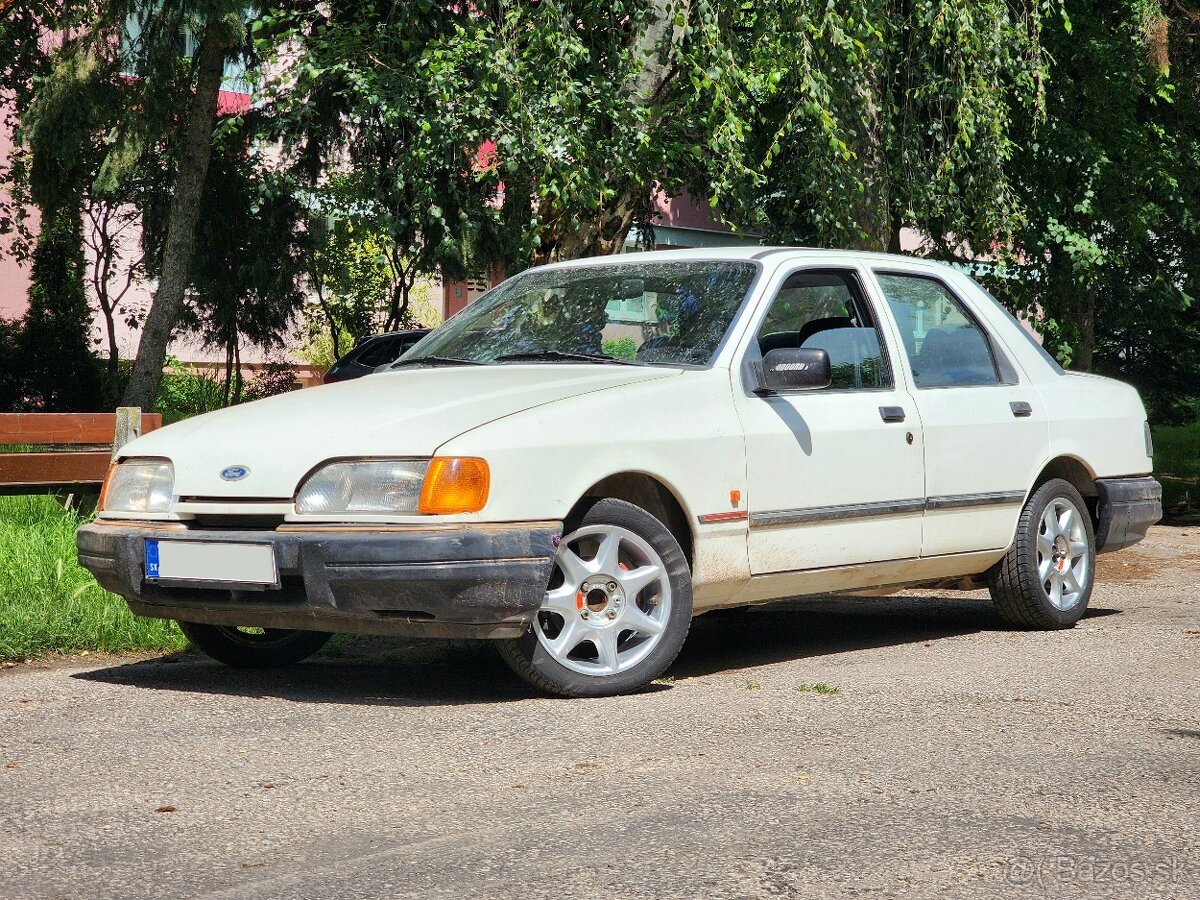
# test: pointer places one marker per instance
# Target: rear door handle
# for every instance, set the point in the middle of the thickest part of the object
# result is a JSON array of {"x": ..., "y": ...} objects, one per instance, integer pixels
[
  {"x": 1021, "y": 409},
  {"x": 891, "y": 413}
]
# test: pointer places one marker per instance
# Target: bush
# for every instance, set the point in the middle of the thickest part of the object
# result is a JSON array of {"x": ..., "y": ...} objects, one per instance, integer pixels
[
  {"x": 1177, "y": 463},
  {"x": 620, "y": 348},
  {"x": 183, "y": 393},
  {"x": 274, "y": 378},
  {"x": 11, "y": 395}
]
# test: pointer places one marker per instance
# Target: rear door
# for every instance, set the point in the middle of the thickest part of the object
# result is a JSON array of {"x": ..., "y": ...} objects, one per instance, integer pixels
[
  {"x": 984, "y": 428},
  {"x": 835, "y": 476}
]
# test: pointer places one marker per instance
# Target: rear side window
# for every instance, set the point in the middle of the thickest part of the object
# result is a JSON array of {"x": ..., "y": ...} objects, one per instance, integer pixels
[
  {"x": 825, "y": 310},
  {"x": 945, "y": 347}
]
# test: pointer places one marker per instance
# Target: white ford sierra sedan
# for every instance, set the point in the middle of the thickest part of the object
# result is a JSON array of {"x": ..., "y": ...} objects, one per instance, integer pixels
[{"x": 596, "y": 451}]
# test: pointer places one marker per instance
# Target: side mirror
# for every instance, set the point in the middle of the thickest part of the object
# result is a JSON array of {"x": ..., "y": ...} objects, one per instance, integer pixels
[{"x": 791, "y": 369}]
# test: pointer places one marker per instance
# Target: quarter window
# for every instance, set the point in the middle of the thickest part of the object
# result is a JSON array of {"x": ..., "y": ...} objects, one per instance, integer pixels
[
  {"x": 944, "y": 345},
  {"x": 825, "y": 310}
]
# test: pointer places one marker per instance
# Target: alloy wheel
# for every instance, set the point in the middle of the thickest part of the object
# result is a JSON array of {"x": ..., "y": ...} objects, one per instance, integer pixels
[
  {"x": 1063, "y": 561},
  {"x": 608, "y": 602}
]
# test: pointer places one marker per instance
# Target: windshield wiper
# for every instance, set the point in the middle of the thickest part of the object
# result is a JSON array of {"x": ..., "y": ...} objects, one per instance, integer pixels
[
  {"x": 564, "y": 355},
  {"x": 437, "y": 361}
]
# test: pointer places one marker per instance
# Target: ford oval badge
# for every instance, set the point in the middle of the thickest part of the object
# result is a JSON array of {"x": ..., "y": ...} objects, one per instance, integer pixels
[{"x": 234, "y": 473}]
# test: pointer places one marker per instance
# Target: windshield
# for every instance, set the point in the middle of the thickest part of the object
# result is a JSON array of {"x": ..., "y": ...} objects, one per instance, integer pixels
[{"x": 665, "y": 313}]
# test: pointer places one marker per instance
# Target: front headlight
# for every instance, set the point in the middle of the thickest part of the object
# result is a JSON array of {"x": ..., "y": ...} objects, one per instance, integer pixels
[
  {"x": 364, "y": 487},
  {"x": 444, "y": 485},
  {"x": 139, "y": 485}
]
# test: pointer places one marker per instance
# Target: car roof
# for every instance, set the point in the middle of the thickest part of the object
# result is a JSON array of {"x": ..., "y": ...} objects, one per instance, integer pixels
[{"x": 780, "y": 254}]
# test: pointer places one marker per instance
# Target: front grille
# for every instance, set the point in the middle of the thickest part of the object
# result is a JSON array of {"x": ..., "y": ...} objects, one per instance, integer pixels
[{"x": 234, "y": 522}]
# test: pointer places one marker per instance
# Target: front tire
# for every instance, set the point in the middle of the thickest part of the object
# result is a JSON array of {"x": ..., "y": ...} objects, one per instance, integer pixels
[
  {"x": 253, "y": 648},
  {"x": 1045, "y": 580},
  {"x": 617, "y": 609}
]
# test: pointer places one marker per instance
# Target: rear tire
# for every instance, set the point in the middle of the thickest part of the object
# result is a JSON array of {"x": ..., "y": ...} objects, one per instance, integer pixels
[
  {"x": 617, "y": 609},
  {"x": 253, "y": 649},
  {"x": 1045, "y": 580}
]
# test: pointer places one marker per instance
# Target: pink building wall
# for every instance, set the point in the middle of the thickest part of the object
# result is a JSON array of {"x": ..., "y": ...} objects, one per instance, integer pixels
[
  {"x": 685, "y": 211},
  {"x": 14, "y": 278}
]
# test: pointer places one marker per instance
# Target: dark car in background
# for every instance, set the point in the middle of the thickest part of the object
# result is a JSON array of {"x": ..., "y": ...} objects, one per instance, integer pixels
[{"x": 373, "y": 352}]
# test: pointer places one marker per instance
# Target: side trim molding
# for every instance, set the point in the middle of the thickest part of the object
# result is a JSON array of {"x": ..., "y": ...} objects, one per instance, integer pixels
[
  {"x": 961, "y": 501},
  {"x": 835, "y": 513},
  {"x": 885, "y": 508}
]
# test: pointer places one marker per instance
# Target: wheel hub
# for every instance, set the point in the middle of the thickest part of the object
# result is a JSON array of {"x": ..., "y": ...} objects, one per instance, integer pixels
[
  {"x": 1061, "y": 553},
  {"x": 599, "y": 598}
]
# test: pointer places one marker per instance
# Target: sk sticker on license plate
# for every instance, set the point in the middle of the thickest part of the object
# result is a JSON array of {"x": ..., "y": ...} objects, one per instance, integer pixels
[{"x": 151, "y": 558}]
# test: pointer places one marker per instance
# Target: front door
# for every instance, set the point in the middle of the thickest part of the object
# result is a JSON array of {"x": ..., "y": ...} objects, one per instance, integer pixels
[{"x": 835, "y": 476}]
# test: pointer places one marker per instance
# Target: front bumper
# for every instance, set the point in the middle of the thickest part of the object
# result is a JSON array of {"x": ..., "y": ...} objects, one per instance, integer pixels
[
  {"x": 479, "y": 581},
  {"x": 1126, "y": 510}
]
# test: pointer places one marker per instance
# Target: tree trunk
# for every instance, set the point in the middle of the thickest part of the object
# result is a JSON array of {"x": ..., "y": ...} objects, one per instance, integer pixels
[
  {"x": 103, "y": 247},
  {"x": 225, "y": 395},
  {"x": 112, "y": 364},
  {"x": 1074, "y": 302},
  {"x": 1083, "y": 360},
  {"x": 604, "y": 234},
  {"x": 401, "y": 294},
  {"x": 239, "y": 385},
  {"x": 872, "y": 218},
  {"x": 335, "y": 332},
  {"x": 181, "y": 223},
  {"x": 897, "y": 224}
]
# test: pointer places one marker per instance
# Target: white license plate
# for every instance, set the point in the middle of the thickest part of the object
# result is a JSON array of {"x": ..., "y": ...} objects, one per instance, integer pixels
[{"x": 204, "y": 561}]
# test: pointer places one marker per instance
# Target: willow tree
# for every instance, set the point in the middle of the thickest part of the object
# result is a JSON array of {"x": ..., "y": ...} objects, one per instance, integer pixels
[
  {"x": 1109, "y": 182},
  {"x": 604, "y": 104},
  {"x": 870, "y": 116},
  {"x": 499, "y": 133},
  {"x": 834, "y": 123}
]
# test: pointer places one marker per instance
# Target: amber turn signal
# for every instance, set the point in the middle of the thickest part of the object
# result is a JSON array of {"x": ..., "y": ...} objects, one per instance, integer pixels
[
  {"x": 455, "y": 484},
  {"x": 112, "y": 467}
]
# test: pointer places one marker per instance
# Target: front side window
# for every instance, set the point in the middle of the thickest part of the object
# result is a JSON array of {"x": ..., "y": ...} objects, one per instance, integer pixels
[
  {"x": 657, "y": 313},
  {"x": 944, "y": 345},
  {"x": 825, "y": 310}
]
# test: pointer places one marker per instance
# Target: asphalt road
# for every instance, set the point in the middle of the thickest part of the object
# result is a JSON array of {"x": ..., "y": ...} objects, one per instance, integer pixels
[{"x": 957, "y": 759}]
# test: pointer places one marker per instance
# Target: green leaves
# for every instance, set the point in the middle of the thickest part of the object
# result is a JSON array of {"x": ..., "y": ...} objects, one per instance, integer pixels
[{"x": 1110, "y": 243}]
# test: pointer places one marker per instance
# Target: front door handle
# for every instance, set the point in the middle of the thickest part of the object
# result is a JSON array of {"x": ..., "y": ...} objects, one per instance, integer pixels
[
  {"x": 891, "y": 413},
  {"x": 1021, "y": 409}
]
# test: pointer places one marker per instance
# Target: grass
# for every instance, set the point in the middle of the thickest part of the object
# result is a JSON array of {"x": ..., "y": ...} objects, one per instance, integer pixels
[
  {"x": 1177, "y": 463},
  {"x": 819, "y": 688},
  {"x": 48, "y": 604}
]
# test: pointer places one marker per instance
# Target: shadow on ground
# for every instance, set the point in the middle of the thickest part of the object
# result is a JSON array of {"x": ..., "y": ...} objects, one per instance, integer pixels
[{"x": 390, "y": 671}]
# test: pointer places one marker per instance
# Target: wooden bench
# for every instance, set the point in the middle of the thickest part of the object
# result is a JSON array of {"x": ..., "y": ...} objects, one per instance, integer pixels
[{"x": 93, "y": 439}]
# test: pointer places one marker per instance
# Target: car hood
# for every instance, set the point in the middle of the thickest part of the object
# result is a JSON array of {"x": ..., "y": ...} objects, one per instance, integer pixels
[{"x": 408, "y": 412}]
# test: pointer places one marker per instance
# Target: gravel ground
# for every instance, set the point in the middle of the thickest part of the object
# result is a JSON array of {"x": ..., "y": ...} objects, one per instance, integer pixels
[{"x": 957, "y": 759}]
